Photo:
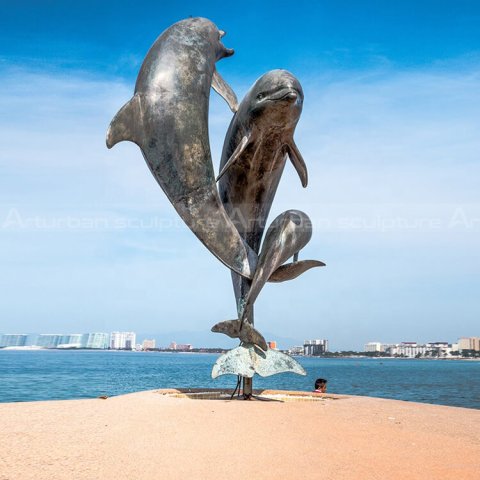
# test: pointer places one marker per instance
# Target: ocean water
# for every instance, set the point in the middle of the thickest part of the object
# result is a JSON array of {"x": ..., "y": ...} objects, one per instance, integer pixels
[{"x": 52, "y": 374}]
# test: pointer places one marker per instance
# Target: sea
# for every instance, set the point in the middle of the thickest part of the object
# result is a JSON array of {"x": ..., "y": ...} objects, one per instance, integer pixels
[{"x": 34, "y": 375}]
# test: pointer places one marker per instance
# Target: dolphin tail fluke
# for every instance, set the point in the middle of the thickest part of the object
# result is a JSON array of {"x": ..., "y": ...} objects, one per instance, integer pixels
[
  {"x": 127, "y": 123},
  {"x": 289, "y": 271},
  {"x": 248, "y": 359},
  {"x": 242, "y": 330},
  {"x": 298, "y": 163}
]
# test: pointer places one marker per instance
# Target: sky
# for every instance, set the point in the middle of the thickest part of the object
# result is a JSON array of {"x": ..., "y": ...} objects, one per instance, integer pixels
[{"x": 389, "y": 132}]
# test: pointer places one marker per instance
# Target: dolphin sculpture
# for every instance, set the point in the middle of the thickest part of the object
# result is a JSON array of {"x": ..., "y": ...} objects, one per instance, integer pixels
[
  {"x": 285, "y": 237},
  {"x": 168, "y": 119}
]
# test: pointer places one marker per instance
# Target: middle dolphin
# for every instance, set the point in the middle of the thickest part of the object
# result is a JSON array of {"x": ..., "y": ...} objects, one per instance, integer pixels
[{"x": 258, "y": 142}]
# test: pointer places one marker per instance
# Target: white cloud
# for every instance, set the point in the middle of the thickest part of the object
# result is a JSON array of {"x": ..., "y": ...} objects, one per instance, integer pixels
[{"x": 387, "y": 152}]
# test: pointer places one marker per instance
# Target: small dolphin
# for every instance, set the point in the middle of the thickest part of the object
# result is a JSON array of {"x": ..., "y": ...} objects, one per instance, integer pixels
[
  {"x": 285, "y": 237},
  {"x": 168, "y": 119}
]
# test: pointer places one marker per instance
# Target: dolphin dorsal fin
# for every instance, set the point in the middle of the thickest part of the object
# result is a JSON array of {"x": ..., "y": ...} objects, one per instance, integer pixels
[
  {"x": 235, "y": 156},
  {"x": 127, "y": 123},
  {"x": 298, "y": 162},
  {"x": 225, "y": 91}
]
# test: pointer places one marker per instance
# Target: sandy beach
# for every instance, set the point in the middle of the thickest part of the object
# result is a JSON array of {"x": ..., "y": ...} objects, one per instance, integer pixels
[{"x": 153, "y": 434}]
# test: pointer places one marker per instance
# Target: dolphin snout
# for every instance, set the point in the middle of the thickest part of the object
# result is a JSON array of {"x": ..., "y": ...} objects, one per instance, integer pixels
[
  {"x": 227, "y": 52},
  {"x": 285, "y": 93},
  {"x": 292, "y": 95}
]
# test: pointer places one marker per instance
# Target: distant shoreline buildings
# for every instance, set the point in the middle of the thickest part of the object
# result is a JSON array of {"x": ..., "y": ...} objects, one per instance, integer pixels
[
  {"x": 91, "y": 341},
  {"x": 315, "y": 348},
  {"x": 123, "y": 340},
  {"x": 464, "y": 347},
  {"x": 420, "y": 350},
  {"x": 180, "y": 347},
  {"x": 57, "y": 340},
  {"x": 310, "y": 348},
  {"x": 148, "y": 344},
  {"x": 61, "y": 341}
]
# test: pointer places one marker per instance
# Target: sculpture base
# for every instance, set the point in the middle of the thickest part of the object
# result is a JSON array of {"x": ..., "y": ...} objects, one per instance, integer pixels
[
  {"x": 247, "y": 359},
  {"x": 258, "y": 394}
]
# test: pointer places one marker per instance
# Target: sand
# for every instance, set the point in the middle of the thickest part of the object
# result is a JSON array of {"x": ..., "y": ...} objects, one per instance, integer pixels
[{"x": 151, "y": 435}]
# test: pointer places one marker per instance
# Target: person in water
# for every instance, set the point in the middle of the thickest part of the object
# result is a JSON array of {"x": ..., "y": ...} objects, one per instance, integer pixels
[{"x": 320, "y": 385}]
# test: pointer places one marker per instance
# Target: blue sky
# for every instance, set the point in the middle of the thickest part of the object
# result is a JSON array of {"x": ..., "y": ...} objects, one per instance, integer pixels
[
  {"x": 106, "y": 36},
  {"x": 389, "y": 133}
]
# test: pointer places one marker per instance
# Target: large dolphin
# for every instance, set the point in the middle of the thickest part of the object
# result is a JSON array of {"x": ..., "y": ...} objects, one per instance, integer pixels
[
  {"x": 285, "y": 237},
  {"x": 168, "y": 119}
]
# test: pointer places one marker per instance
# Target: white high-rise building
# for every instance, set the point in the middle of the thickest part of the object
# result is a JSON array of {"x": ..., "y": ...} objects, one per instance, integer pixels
[
  {"x": 83, "y": 340},
  {"x": 49, "y": 340},
  {"x": 408, "y": 349},
  {"x": 73, "y": 340},
  {"x": 372, "y": 347},
  {"x": 13, "y": 340},
  {"x": 98, "y": 340},
  {"x": 123, "y": 340},
  {"x": 315, "y": 347}
]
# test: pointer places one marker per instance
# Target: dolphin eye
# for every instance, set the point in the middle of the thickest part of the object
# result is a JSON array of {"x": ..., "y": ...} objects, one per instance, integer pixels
[{"x": 296, "y": 219}]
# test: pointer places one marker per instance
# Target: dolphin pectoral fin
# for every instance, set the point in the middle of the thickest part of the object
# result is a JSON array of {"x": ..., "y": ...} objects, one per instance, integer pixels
[
  {"x": 225, "y": 91},
  {"x": 298, "y": 162},
  {"x": 127, "y": 123},
  {"x": 242, "y": 330},
  {"x": 289, "y": 271},
  {"x": 235, "y": 156}
]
